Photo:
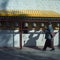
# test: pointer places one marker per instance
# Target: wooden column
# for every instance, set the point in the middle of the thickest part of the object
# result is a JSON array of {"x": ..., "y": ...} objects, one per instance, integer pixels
[
  {"x": 59, "y": 34},
  {"x": 20, "y": 29}
]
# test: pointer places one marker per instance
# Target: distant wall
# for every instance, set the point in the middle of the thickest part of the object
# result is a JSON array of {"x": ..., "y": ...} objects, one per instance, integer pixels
[
  {"x": 37, "y": 39},
  {"x": 11, "y": 38}
]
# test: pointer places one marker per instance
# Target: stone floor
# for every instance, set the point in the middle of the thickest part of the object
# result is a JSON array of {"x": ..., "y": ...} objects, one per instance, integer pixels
[{"x": 29, "y": 54}]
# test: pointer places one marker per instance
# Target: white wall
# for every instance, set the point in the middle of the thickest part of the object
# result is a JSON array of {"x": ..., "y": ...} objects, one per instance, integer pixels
[
  {"x": 32, "y": 39},
  {"x": 56, "y": 38},
  {"x": 11, "y": 38}
]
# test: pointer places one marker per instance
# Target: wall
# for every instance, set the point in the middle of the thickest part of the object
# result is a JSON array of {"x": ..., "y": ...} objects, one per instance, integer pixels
[
  {"x": 36, "y": 39},
  {"x": 10, "y": 38}
]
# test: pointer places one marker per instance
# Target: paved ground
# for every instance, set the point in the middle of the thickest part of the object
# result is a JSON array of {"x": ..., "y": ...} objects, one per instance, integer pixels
[{"x": 29, "y": 54}]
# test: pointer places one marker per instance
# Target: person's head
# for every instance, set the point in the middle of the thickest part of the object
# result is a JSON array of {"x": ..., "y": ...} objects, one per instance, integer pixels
[
  {"x": 45, "y": 27},
  {"x": 49, "y": 23},
  {"x": 50, "y": 26}
]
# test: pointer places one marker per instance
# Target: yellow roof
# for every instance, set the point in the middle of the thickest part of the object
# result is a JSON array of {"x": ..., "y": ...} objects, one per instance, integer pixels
[{"x": 32, "y": 13}]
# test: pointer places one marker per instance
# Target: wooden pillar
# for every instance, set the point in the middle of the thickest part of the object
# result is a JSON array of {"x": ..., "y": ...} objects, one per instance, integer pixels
[
  {"x": 20, "y": 29},
  {"x": 59, "y": 35}
]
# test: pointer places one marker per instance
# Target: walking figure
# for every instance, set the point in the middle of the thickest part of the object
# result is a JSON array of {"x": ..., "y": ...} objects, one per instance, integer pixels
[{"x": 49, "y": 35}]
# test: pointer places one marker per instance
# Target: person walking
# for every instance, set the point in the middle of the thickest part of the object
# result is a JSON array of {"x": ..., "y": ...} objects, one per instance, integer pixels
[{"x": 49, "y": 35}]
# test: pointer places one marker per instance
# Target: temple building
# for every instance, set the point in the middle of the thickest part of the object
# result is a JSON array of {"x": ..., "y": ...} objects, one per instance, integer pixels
[{"x": 22, "y": 23}]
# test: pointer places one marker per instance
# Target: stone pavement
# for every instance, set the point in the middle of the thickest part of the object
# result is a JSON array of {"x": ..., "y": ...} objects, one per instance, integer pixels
[{"x": 29, "y": 54}]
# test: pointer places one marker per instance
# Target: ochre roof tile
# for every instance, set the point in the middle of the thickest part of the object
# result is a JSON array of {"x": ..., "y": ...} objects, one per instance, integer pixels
[{"x": 33, "y": 13}]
